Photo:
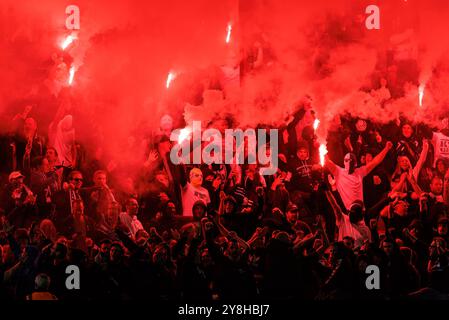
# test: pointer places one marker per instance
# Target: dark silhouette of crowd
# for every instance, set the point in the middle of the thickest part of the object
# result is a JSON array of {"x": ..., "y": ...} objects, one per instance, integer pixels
[{"x": 219, "y": 232}]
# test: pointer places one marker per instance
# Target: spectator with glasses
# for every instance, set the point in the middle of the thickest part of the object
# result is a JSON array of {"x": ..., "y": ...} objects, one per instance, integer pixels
[{"x": 64, "y": 202}]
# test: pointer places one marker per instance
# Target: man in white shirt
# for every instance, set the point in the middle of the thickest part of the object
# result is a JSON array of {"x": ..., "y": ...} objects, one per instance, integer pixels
[
  {"x": 129, "y": 218},
  {"x": 351, "y": 224},
  {"x": 64, "y": 139},
  {"x": 349, "y": 180},
  {"x": 193, "y": 191},
  {"x": 441, "y": 146}
]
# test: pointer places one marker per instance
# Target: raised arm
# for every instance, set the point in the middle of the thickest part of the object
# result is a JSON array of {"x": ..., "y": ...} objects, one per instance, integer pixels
[
  {"x": 225, "y": 232},
  {"x": 335, "y": 207},
  {"x": 411, "y": 179},
  {"x": 379, "y": 158},
  {"x": 421, "y": 159},
  {"x": 330, "y": 165},
  {"x": 398, "y": 187},
  {"x": 59, "y": 115}
]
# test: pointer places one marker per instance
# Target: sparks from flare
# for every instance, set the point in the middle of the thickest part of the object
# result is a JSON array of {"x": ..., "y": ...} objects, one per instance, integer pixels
[
  {"x": 421, "y": 94},
  {"x": 228, "y": 35},
  {"x": 184, "y": 134},
  {"x": 67, "y": 42},
  {"x": 323, "y": 152},
  {"x": 171, "y": 76},
  {"x": 71, "y": 75}
]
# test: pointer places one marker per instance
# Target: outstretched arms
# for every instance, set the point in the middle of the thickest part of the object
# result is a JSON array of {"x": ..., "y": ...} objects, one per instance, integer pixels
[
  {"x": 335, "y": 207},
  {"x": 379, "y": 158},
  {"x": 329, "y": 164},
  {"x": 421, "y": 159}
]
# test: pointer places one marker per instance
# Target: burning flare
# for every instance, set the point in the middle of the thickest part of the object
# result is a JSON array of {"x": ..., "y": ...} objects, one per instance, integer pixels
[
  {"x": 68, "y": 41},
  {"x": 323, "y": 152},
  {"x": 421, "y": 94},
  {"x": 228, "y": 35},
  {"x": 171, "y": 76},
  {"x": 71, "y": 75},
  {"x": 316, "y": 124}
]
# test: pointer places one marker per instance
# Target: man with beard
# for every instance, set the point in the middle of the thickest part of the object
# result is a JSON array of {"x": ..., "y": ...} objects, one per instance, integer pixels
[
  {"x": 349, "y": 180},
  {"x": 27, "y": 144}
]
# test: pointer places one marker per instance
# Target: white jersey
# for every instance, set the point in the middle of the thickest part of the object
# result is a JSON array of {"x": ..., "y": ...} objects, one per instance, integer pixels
[
  {"x": 441, "y": 146},
  {"x": 359, "y": 232},
  {"x": 350, "y": 186},
  {"x": 190, "y": 195}
]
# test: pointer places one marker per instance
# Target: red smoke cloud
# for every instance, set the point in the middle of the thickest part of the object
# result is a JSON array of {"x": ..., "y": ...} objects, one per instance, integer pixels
[{"x": 125, "y": 50}]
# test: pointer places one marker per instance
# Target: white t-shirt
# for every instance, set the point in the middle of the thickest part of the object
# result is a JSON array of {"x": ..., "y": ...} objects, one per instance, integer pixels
[
  {"x": 190, "y": 195},
  {"x": 131, "y": 223},
  {"x": 359, "y": 232},
  {"x": 441, "y": 146},
  {"x": 63, "y": 140},
  {"x": 350, "y": 186}
]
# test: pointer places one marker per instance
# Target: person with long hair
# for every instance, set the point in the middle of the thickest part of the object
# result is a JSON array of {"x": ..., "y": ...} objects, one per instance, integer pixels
[{"x": 405, "y": 176}]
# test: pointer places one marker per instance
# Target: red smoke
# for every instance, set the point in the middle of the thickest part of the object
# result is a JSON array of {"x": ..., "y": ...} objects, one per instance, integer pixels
[{"x": 125, "y": 51}]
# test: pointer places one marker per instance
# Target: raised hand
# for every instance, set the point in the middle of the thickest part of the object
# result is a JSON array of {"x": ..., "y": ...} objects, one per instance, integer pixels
[{"x": 153, "y": 156}]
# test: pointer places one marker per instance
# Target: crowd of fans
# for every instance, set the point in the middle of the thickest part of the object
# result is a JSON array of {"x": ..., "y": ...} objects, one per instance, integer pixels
[{"x": 208, "y": 232}]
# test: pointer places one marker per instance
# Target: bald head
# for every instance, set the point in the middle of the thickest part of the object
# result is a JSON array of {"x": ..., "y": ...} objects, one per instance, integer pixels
[{"x": 196, "y": 177}]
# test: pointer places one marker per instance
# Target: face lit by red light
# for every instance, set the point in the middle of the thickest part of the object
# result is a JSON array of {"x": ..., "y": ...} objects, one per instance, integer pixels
[
  {"x": 387, "y": 248},
  {"x": 162, "y": 179},
  {"x": 51, "y": 155},
  {"x": 407, "y": 130},
  {"x": 29, "y": 127},
  {"x": 303, "y": 154},
  {"x": 436, "y": 187},
  {"x": 45, "y": 166},
  {"x": 132, "y": 207},
  {"x": 100, "y": 179},
  {"x": 404, "y": 163},
  {"x": 77, "y": 180},
  {"x": 292, "y": 216},
  {"x": 166, "y": 123},
  {"x": 368, "y": 158},
  {"x": 228, "y": 207},
  {"x": 441, "y": 167}
]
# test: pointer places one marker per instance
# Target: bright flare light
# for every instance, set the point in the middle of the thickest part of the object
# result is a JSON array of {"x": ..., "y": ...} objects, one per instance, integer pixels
[
  {"x": 184, "y": 134},
  {"x": 171, "y": 76},
  {"x": 316, "y": 123},
  {"x": 71, "y": 75},
  {"x": 323, "y": 152},
  {"x": 228, "y": 35},
  {"x": 67, "y": 42},
  {"x": 421, "y": 94}
]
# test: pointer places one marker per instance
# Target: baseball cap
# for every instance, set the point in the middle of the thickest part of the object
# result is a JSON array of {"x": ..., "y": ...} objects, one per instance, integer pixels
[
  {"x": 14, "y": 175},
  {"x": 292, "y": 207}
]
